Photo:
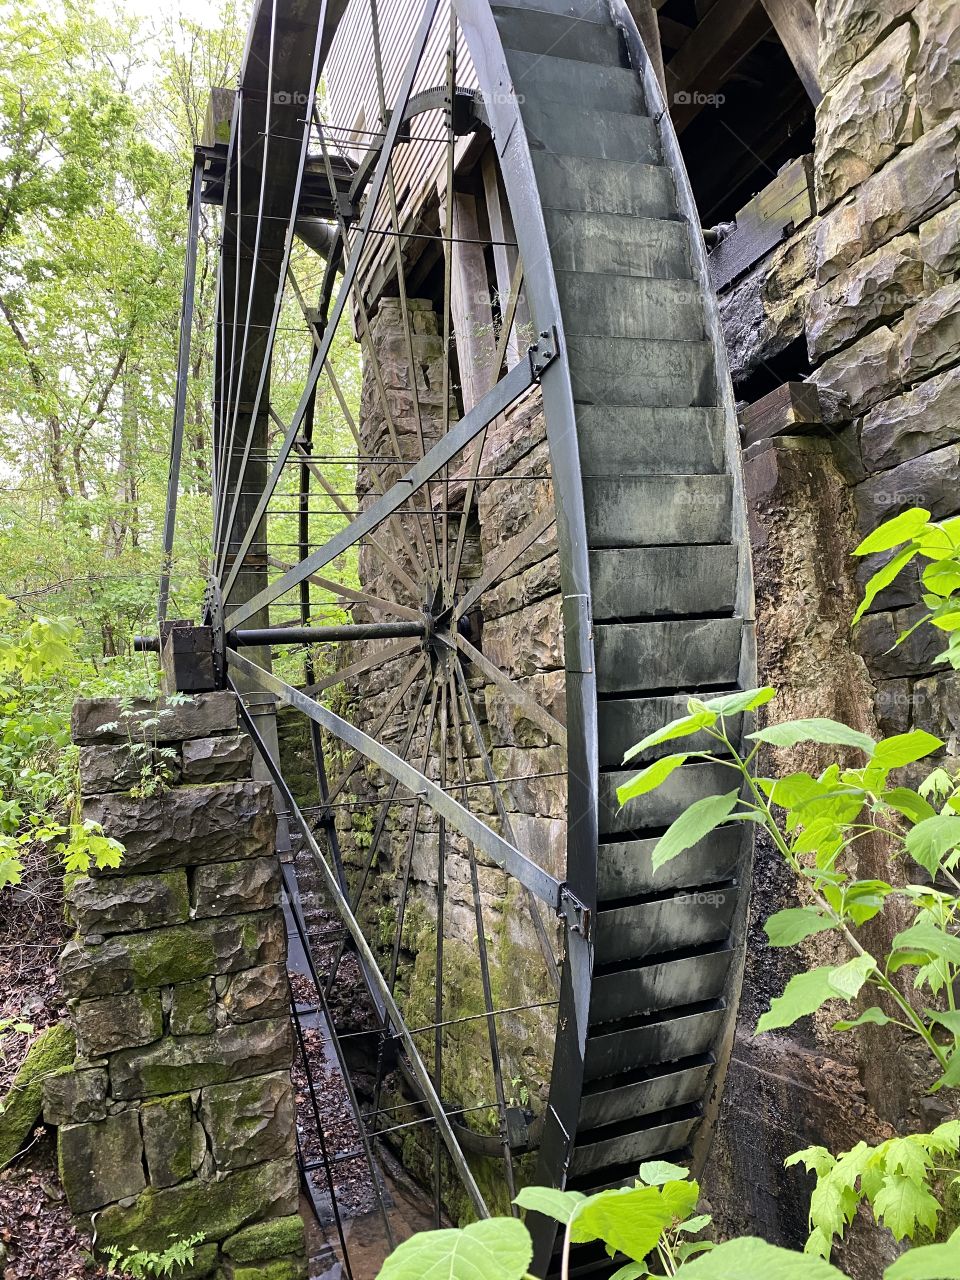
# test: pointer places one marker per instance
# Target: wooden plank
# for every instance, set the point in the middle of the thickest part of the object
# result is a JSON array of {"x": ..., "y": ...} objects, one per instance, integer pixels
[
  {"x": 785, "y": 410},
  {"x": 470, "y": 307},
  {"x": 795, "y": 22},
  {"x": 773, "y": 214},
  {"x": 504, "y": 237}
]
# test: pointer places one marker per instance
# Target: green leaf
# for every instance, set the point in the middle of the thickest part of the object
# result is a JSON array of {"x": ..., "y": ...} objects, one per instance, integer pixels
[
  {"x": 751, "y": 1259},
  {"x": 703, "y": 816},
  {"x": 561, "y": 1205},
  {"x": 872, "y": 1015},
  {"x": 902, "y": 1204},
  {"x": 792, "y": 732},
  {"x": 629, "y": 1220},
  {"x": 931, "y": 839},
  {"x": 909, "y": 803},
  {"x": 693, "y": 1225},
  {"x": 927, "y": 937},
  {"x": 632, "y": 1271},
  {"x": 847, "y": 980},
  {"x": 902, "y": 528},
  {"x": 882, "y": 578},
  {"x": 816, "y": 1160},
  {"x": 905, "y": 748},
  {"x": 656, "y": 1172},
  {"x": 650, "y": 778},
  {"x": 793, "y": 924},
  {"x": 492, "y": 1249},
  {"x": 928, "y": 1262},
  {"x": 730, "y": 704},
  {"x": 680, "y": 1198},
  {"x": 804, "y": 994},
  {"x": 681, "y": 728},
  {"x": 951, "y": 1077}
]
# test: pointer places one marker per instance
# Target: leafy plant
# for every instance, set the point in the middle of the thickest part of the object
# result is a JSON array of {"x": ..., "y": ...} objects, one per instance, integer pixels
[
  {"x": 814, "y": 822},
  {"x": 142, "y": 728},
  {"x": 913, "y": 536},
  {"x": 896, "y": 1178},
  {"x": 650, "y": 1227},
  {"x": 141, "y": 1262}
]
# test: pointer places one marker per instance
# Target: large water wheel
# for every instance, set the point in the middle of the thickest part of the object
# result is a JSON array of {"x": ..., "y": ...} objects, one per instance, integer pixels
[{"x": 511, "y": 537}]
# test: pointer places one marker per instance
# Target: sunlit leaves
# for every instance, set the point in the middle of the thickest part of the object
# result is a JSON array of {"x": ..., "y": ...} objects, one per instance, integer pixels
[
  {"x": 806, "y": 992},
  {"x": 749, "y": 1257},
  {"x": 818, "y": 729},
  {"x": 794, "y": 924},
  {"x": 902, "y": 528},
  {"x": 561, "y": 1205},
  {"x": 492, "y": 1249},
  {"x": 696, "y": 822},
  {"x": 650, "y": 778},
  {"x": 931, "y": 840}
]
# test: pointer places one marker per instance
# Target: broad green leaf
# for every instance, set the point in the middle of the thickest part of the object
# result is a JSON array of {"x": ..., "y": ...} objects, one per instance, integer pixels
[
  {"x": 931, "y": 839},
  {"x": 902, "y": 1204},
  {"x": 905, "y": 748},
  {"x": 902, "y": 528},
  {"x": 847, "y": 980},
  {"x": 925, "y": 936},
  {"x": 650, "y": 778},
  {"x": 690, "y": 1248},
  {"x": 730, "y": 704},
  {"x": 816, "y": 1160},
  {"x": 909, "y": 803},
  {"x": 703, "y": 816},
  {"x": 882, "y": 578},
  {"x": 680, "y": 1198},
  {"x": 906, "y": 1156},
  {"x": 656, "y": 1172},
  {"x": 629, "y": 1220},
  {"x": 928, "y": 1262},
  {"x": 693, "y": 1225},
  {"x": 792, "y": 732},
  {"x": 492, "y": 1249},
  {"x": 872, "y": 1015},
  {"x": 942, "y": 577},
  {"x": 794, "y": 924},
  {"x": 805, "y": 993},
  {"x": 681, "y": 728},
  {"x": 949, "y": 1018},
  {"x": 751, "y": 1259},
  {"x": 632, "y": 1271},
  {"x": 561, "y": 1205}
]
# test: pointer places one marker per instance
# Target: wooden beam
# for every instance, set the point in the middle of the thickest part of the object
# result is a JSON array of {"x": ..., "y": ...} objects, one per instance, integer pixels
[
  {"x": 773, "y": 214},
  {"x": 645, "y": 16},
  {"x": 790, "y": 409},
  {"x": 470, "y": 306},
  {"x": 673, "y": 33},
  {"x": 708, "y": 56},
  {"x": 504, "y": 254},
  {"x": 795, "y": 22}
]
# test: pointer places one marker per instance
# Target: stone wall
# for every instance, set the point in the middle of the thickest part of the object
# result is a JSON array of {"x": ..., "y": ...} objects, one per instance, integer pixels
[
  {"x": 178, "y": 1115},
  {"x": 865, "y": 294}
]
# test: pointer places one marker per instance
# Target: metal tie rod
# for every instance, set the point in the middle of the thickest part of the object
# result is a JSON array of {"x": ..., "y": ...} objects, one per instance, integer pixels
[{"x": 255, "y": 637}]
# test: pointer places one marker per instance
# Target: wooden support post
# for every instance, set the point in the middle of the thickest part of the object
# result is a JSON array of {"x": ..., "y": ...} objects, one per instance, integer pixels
[
  {"x": 470, "y": 305},
  {"x": 502, "y": 234},
  {"x": 790, "y": 409},
  {"x": 795, "y": 22}
]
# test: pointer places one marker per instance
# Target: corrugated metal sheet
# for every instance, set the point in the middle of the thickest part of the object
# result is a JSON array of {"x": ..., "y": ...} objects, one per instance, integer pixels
[{"x": 353, "y": 108}]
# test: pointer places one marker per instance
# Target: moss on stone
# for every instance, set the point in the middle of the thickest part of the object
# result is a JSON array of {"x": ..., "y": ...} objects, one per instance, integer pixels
[
  {"x": 217, "y": 1208},
  {"x": 280, "y": 1269},
  {"x": 51, "y": 1051},
  {"x": 265, "y": 1240}
]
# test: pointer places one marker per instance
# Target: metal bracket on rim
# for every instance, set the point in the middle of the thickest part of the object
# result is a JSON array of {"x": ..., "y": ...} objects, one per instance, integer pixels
[
  {"x": 543, "y": 352},
  {"x": 577, "y": 914}
]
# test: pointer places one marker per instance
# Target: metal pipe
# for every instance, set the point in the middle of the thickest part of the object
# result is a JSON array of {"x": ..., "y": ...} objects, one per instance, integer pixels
[{"x": 254, "y": 637}]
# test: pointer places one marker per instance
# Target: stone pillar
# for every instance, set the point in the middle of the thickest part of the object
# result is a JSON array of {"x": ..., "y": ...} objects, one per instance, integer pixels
[{"x": 178, "y": 1116}]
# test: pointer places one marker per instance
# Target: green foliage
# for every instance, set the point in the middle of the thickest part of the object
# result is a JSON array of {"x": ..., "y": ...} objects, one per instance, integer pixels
[
  {"x": 899, "y": 1179},
  {"x": 932, "y": 549},
  {"x": 37, "y": 767},
  {"x": 492, "y": 1249},
  {"x": 141, "y": 1262},
  {"x": 814, "y": 822}
]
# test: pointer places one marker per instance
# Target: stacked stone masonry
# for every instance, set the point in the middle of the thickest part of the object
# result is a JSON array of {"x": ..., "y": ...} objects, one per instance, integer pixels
[
  {"x": 177, "y": 1117},
  {"x": 871, "y": 282},
  {"x": 868, "y": 288}
]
